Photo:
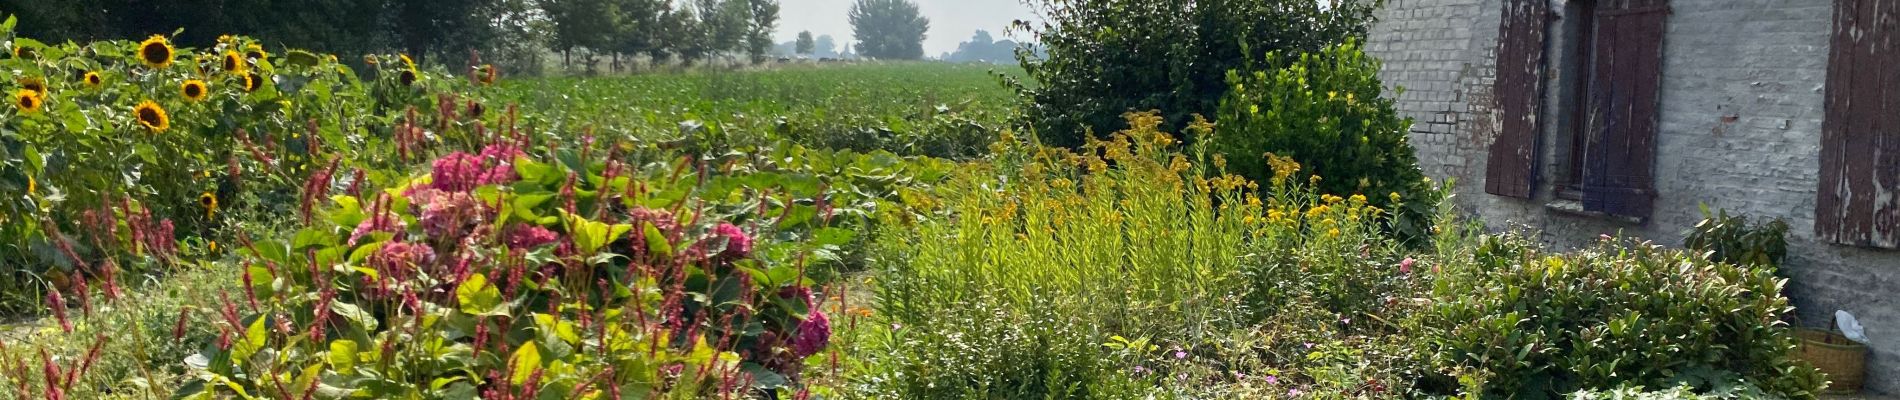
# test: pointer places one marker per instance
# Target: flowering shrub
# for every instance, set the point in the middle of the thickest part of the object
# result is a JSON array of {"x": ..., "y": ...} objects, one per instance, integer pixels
[
  {"x": 112, "y": 131},
  {"x": 501, "y": 276}
]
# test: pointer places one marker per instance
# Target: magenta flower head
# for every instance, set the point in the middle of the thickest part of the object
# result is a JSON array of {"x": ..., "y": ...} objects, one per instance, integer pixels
[
  {"x": 813, "y": 335},
  {"x": 1405, "y": 267},
  {"x": 456, "y": 172},
  {"x": 523, "y": 236},
  {"x": 444, "y": 214},
  {"x": 738, "y": 244},
  {"x": 401, "y": 256}
]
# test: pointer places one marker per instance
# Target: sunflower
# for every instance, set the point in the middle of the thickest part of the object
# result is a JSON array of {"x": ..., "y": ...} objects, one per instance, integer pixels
[
  {"x": 407, "y": 77},
  {"x": 488, "y": 74},
  {"x": 156, "y": 52},
  {"x": 24, "y": 52},
  {"x": 252, "y": 82},
  {"x": 92, "y": 79},
  {"x": 34, "y": 84},
  {"x": 152, "y": 117},
  {"x": 255, "y": 52},
  {"x": 209, "y": 202},
  {"x": 407, "y": 62},
  {"x": 234, "y": 62},
  {"x": 194, "y": 90},
  {"x": 28, "y": 100}
]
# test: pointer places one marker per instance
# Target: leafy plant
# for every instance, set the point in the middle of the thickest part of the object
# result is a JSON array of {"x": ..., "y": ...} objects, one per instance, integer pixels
[
  {"x": 1732, "y": 239},
  {"x": 1520, "y": 321},
  {"x": 1329, "y": 111},
  {"x": 1098, "y": 59}
]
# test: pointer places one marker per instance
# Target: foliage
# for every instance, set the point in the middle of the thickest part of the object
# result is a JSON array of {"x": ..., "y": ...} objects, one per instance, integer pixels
[
  {"x": 907, "y": 108},
  {"x": 1732, "y": 239},
  {"x": 1516, "y": 320},
  {"x": 134, "y": 146},
  {"x": 805, "y": 44},
  {"x": 1060, "y": 274},
  {"x": 1107, "y": 57},
  {"x": 889, "y": 29},
  {"x": 1327, "y": 110},
  {"x": 983, "y": 48}
]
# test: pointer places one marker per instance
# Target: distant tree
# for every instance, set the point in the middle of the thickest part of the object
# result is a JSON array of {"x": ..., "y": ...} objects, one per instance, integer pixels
[
  {"x": 825, "y": 46},
  {"x": 804, "y": 43},
  {"x": 891, "y": 29},
  {"x": 723, "y": 24},
  {"x": 981, "y": 48},
  {"x": 764, "y": 21},
  {"x": 426, "y": 27},
  {"x": 639, "y": 28},
  {"x": 579, "y": 24}
]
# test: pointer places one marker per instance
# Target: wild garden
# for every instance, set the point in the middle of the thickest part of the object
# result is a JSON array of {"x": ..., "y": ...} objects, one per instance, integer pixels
[{"x": 238, "y": 220}]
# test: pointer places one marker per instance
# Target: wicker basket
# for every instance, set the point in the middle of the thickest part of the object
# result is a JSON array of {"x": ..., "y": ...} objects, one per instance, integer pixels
[{"x": 1844, "y": 361}]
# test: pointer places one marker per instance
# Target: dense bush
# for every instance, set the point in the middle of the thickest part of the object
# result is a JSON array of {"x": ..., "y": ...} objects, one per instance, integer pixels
[
  {"x": 1732, "y": 239},
  {"x": 1520, "y": 321},
  {"x": 1329, "y": 111},
  {"x": 1108, "y": 57}
]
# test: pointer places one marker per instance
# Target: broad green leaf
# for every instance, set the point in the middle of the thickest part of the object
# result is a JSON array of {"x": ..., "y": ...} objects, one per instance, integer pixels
[
  {"x": 476, "y": 296},
  {"x": 343, "y": 355},
  {"x": 525, "y": 360}
]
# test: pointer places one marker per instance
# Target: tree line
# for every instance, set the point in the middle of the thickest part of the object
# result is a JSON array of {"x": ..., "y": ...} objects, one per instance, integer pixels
[{"x": 522, "y": 33}]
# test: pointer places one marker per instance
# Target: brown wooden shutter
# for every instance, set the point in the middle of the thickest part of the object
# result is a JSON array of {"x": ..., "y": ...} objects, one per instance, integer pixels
[
  {"x": 1511, "y": 169},
  {"x": 1860, "y": 145},
  {"x": 1618, "y": 177}
]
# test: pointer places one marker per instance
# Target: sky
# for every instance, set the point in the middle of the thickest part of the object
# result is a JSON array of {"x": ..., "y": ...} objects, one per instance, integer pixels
[{"x": 951, "y": 21}]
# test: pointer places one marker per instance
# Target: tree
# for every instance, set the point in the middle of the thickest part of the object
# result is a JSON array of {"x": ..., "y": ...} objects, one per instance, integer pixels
[
  {"x": 981, "y": 48},
  {"x": 1108, "y": 57},
  {"x": 825, "y": 46},
  {"x": 892, "y": 29},
  {"x": 764, "y": 21},
  {"x": 804, "y": 43},
  {"x": 579, "y": 24},
  {"x": 640, "y": 28}
]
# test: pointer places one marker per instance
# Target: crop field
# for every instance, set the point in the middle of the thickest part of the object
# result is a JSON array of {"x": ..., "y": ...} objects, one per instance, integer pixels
[{"x": 244, "y": 221}]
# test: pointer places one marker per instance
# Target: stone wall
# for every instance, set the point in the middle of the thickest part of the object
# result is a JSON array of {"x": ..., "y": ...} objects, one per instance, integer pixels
[{"x": 1741, "y": 114}]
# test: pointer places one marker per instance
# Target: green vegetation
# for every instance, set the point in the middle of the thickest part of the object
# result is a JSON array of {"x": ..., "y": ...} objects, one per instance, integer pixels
[{"x": 295, "y": 227}]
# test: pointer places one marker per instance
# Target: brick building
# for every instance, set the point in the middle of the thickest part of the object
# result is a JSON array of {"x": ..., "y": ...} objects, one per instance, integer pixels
[{"x": 1583, "y": 117}]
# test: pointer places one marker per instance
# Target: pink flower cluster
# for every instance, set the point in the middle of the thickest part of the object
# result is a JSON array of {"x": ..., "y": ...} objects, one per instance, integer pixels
[
  {"x": 461, "y": 172},
  {"x": 521, "y": 237},
  {"x": 814, "y": 333},
  {"x": 738, "y": 244}
]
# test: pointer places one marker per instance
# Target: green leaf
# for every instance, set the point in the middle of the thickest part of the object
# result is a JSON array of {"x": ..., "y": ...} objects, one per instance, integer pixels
[
  {"x": 343, "y": 355},
  {"x": 476, "y": 296},
  {"x": 656, "y": 242},
  {"x": 525, "y": 360},
  {"x": 355, "y": 315},
  {"x": 255, "y": 338},
  {"x": 590, "y": 236}
]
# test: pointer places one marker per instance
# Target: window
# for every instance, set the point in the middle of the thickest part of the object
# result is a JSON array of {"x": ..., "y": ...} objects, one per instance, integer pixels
[
  {"x": 1856, "y": 202},
  {"x": 1615, "y": 65}
]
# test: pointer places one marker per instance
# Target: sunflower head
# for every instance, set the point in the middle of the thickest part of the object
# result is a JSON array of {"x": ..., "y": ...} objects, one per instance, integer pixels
[
  {"x": 488, "y": 74},
  {"x": 252, "y": 82},
  {"x": 233, "y": 62},
  {"x": 256, "y": 52},
  {"x": 407, "y": 77},
  {"x": 93, "y": 79},
  {"x": 208, "y": 200},
  {"x": 24, "y": 52},
  {"x": 152, "y": 117},
  {"x": 407, "y": 62},
  {"x": 194, "y": 90},
  {"x": 28, "y": 100},
  {"x": 156, "y": 52},
  {"x": 33, "y": 83}
]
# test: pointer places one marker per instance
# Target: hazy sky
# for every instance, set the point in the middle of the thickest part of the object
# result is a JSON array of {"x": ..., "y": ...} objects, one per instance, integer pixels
[{"x": 951, "y": 21}]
